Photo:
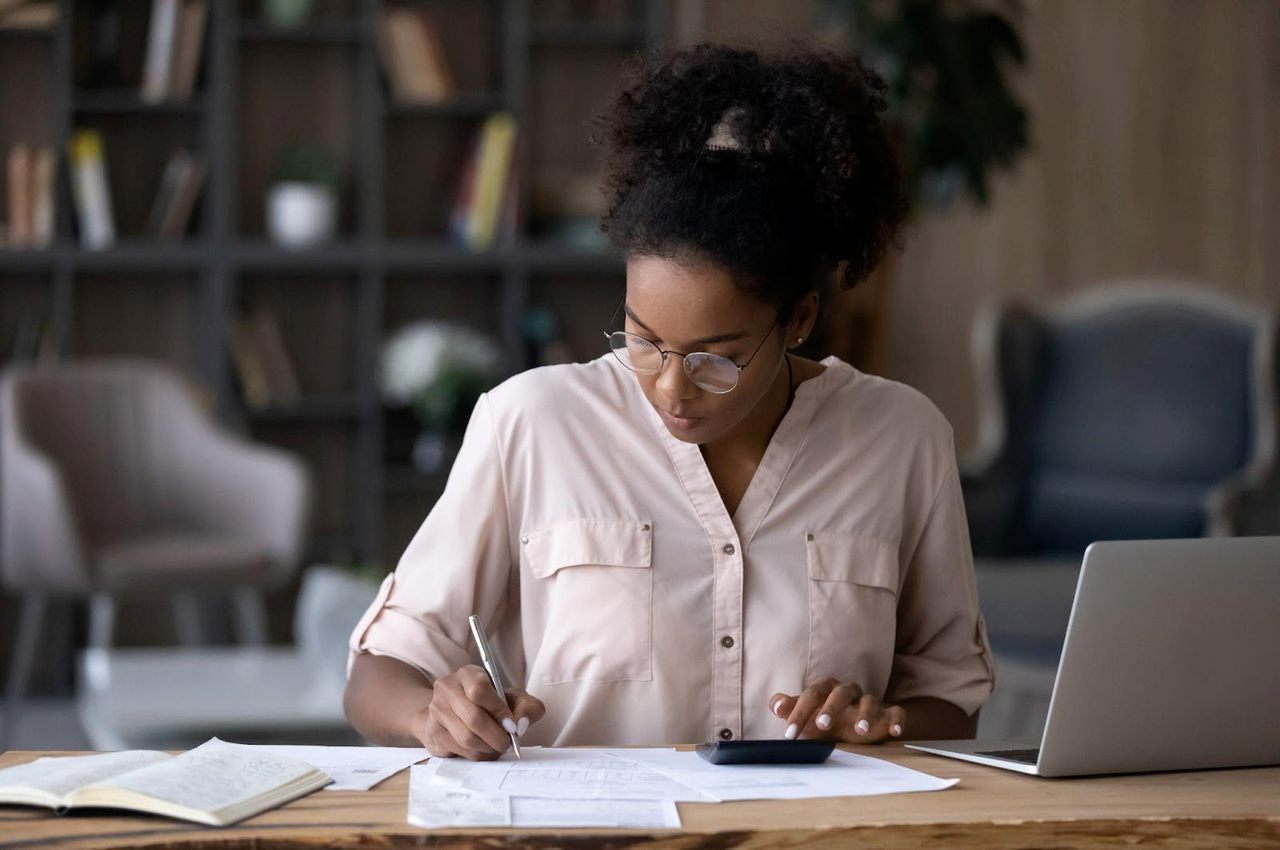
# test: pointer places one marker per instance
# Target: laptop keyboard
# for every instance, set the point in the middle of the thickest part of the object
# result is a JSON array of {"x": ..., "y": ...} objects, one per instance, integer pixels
[{"x": 1025, "y": 756}]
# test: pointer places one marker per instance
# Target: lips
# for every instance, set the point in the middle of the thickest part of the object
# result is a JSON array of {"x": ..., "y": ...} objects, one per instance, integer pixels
[{"x": 679, "y": 423}]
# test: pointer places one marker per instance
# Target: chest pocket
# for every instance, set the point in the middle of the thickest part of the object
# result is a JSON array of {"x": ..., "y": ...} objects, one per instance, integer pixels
[
  {"x": 853, "y": 605},
  {"x": 597, "y": 579}
]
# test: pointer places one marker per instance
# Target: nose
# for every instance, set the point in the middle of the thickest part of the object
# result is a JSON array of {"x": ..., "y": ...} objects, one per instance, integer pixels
[{"x": 673, "y": 382}]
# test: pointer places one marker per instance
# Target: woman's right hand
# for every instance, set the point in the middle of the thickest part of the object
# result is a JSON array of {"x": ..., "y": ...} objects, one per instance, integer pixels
[{"x": 467, "y": 718}]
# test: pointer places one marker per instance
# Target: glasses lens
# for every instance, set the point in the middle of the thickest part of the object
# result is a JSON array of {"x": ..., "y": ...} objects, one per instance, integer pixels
[
  {"x": 712, "y": 372},
  {"x": 636, "y": 353}
]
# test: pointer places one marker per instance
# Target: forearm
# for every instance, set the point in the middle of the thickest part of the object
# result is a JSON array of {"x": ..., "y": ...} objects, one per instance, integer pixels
[
  {"x": 385, "y": 699},
  {"x": 935, "y": 719}
]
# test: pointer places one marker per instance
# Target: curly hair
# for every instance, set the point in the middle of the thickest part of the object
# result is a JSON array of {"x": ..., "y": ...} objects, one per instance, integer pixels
[{"x": 775, "y": 167}]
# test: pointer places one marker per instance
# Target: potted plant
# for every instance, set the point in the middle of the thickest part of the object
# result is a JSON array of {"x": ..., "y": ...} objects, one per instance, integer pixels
[
  {"x": 287, "y": 13},
  {"x": 438, "y": 369},
  {"x": 302, "y": 203}
]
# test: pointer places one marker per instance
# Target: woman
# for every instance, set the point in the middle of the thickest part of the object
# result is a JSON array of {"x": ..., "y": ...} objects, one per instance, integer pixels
[{"x": 698, "y": 535}]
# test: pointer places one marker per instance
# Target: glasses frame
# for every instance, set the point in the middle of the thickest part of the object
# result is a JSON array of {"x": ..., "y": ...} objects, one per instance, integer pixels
[{"x": 609, "y": 335}]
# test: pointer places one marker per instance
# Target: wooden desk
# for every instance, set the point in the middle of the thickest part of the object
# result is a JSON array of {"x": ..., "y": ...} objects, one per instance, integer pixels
[{"x": 989, "y": 808}]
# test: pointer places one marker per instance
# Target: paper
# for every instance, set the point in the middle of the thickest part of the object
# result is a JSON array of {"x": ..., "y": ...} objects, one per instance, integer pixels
[
  {"x": 436, "y": 803},
  {"x": 842, "y": 775},
  {"x": 352, "y": 768},
  {"x": 576, "y": 773}
]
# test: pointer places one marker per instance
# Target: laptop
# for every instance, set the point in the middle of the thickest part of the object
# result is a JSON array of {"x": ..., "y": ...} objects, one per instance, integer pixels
[{"x": 1171, "y": 662}]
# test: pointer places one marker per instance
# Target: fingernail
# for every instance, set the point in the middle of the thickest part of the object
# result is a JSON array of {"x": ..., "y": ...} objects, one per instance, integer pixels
[
  {"x": 824, "y": 720},
  {"x": 776, "y": 706},
  {"x": 509, "y": 725},
  {"x": 863, "y": 727},
  {"x": 522, "y": 727},
  {"x": 895, "y": 729},
  {"x": 791, "y": 731}
]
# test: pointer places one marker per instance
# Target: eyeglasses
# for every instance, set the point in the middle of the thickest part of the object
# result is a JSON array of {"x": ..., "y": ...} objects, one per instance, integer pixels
[{"x": 711, "y": 372}]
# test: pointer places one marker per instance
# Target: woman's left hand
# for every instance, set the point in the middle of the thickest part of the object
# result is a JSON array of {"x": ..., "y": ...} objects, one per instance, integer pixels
[{"x": 838, "y": 711}]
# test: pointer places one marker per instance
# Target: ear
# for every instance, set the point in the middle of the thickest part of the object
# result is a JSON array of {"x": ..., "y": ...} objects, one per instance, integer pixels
[{"x": 803, "y": 320}]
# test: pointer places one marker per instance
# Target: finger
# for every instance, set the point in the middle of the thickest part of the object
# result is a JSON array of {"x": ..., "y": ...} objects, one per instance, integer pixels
[
  {"x": 807, "y": 705},
  {"x": 866, "y": 713},
  {"x": 473, "y": 727},
  {"x": 780, "y": 704},
  {"x": 442, "y": 736},
  {"x": 526, "y": 708},
  {"x": 840, "y": 698},
  {"x": 479, "y": 690},
  {"x": 896, "y": 720}
]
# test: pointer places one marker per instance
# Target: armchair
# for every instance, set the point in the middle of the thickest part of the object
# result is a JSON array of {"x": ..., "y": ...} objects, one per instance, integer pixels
[{"x": 114, "y": 482}]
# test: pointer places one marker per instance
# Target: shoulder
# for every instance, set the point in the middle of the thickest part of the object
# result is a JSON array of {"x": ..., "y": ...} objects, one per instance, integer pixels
[
  {"x": 564, "y": 390},
  {"x": 894, "y": 410}
]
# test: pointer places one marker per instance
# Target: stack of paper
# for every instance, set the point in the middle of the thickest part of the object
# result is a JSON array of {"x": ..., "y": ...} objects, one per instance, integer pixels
[{"x": 630, "y": 788}]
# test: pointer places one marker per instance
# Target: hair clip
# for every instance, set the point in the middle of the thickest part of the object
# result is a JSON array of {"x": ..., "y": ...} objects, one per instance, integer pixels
[{"x": 722, "y": 136}]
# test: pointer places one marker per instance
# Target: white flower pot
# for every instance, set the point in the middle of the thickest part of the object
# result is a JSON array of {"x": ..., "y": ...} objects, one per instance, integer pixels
[
  {"x": 301, "y": 214},
  {"x": 330, "y": 603}
]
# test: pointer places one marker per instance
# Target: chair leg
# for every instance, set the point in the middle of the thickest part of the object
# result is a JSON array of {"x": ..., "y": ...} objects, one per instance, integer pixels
[
  {"x": 250, "y": 616},
  {"x": 102, "y": 620},
  {"x": 34, "y": 606},
  {"x": 187, "y": 620}
]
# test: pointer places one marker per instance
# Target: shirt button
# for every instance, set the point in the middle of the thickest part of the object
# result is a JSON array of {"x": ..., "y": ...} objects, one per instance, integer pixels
[
  {"x": 644, "y": 527},
  {"x": 524, "y": 539},
  {"x": 726, "y": 734},
  {"x": 728, "y": 549},
  {"x": 809, "y": 537},
  {"x": 726, "y": 642}
]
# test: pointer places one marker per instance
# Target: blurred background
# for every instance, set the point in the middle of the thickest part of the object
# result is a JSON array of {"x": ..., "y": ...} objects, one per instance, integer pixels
[{"x": 258, "y": 257}]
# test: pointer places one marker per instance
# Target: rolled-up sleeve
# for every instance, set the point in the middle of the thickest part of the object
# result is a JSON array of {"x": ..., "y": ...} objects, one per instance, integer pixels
[
  {"x": 941, "y": 649},
  {"x": 459, "y": 563}
]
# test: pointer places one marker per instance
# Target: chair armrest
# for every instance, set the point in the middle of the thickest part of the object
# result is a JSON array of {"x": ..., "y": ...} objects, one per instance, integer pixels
[
  {"x": 40, "y": 535},
  {"x": 255, "y": 492},
  {"x": 1244, "y": 505},
  {"x": 990, "y": 502}
]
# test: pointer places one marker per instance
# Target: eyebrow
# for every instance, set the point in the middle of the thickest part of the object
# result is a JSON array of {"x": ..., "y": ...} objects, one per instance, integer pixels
[{"x": 706, "y": 340}]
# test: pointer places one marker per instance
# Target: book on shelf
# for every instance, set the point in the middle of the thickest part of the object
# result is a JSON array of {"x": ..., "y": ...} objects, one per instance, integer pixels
[
  {"x": 162, "y": 33},
  {"x": 217, "y": 783},
  {"x": 186, "y": 53},
  {"x": 90, "y": 190},
  {"x": 413, "y": 56},
  {"x": 180, "y": 185},
  {"x": 44, "y": 166},
  {"x": 29, "y": 173},
  {"x": 175, "y": 38},
  {"x": 18, "y": 175},
  {"x": 263, "y": 365},
  {"x": 24, "y": 15},
  {"x": 485, "y": 183}
]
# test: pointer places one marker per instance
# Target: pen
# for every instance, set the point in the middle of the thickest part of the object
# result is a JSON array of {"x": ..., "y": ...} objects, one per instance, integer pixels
[{"x": 490, "y": 662}]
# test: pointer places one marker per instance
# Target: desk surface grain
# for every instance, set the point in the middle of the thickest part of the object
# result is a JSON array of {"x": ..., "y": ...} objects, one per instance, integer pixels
[{"x": 990, "y": 808}]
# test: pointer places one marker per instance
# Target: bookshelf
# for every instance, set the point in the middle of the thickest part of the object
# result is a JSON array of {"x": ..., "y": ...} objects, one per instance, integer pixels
[{"x": 260, "y": 88}]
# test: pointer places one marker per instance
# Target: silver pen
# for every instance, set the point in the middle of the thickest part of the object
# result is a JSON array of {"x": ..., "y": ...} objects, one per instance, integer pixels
[{"x": 491, "y": 666}]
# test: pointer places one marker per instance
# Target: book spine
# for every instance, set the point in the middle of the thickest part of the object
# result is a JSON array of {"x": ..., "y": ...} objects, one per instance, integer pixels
[
  {"x": 42, "y": 196},
  {"x": 186, "y": 61},
  {"x": 91, "y": 191},
  {"x": 499, "y": 133},
  {"x": 19, "y": 176},
  {"x": 161, "y": 35}
]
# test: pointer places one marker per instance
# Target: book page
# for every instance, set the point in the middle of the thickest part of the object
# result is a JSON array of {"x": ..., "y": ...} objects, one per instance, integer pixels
[
  {"x": 212, "y": 777},
  {"x": 60, "y": 775}
]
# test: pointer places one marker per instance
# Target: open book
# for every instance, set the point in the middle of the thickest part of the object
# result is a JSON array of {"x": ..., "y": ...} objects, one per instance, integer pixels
[{"x": 216, "y": 783}]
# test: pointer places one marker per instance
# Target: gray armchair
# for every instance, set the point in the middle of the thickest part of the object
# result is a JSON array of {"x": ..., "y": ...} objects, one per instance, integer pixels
[
  {"x": 1139, "y": 410},
  {"x": 114, "y": 482}
]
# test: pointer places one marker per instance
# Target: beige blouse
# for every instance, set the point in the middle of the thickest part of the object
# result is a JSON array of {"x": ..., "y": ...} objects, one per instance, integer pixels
[{"x": 596, "y": 550}]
